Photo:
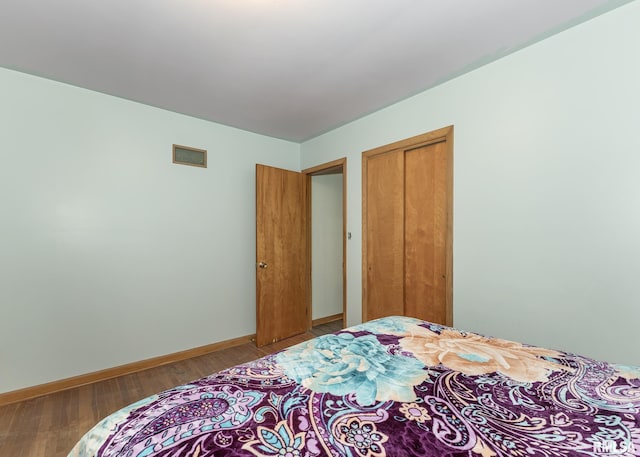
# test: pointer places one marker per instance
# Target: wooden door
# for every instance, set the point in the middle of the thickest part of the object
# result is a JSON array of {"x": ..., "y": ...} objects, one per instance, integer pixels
[
  {"x": 282, "y": 276},
  {"x": 384, "y": 270},
  {"x": 407, "y": 229},
  {"x": 425, "y": 233}
]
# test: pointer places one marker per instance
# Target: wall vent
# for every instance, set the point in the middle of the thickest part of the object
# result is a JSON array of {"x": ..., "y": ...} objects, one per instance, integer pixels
[{"x": 189, "y": 156}]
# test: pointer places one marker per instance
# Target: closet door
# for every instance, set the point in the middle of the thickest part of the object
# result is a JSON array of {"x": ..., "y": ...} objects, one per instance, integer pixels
[
  {"x": 384, "y": 237},
  {"x": 407, "y": 227},
  {"x": 425, "y": 233}
]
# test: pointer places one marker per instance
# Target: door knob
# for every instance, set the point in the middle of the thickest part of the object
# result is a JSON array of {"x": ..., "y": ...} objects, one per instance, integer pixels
[{"x": 262, "y": 265}]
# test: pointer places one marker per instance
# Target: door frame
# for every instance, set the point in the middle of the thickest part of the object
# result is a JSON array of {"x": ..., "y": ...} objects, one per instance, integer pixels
[
  {"x": 445, "y": 135},
  {"x": 333, "y": 167}
]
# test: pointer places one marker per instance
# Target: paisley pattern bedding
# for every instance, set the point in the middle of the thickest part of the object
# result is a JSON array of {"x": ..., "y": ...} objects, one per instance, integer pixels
[{"x": 391, "y": 387}]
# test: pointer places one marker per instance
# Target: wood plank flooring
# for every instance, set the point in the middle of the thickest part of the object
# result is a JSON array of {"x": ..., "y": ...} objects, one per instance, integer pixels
[{"x": 50, "y": 426}]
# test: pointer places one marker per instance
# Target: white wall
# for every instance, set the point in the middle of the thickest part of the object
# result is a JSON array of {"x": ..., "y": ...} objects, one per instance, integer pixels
[
  {"x": 109, "y": 253},
  {"x": 326, "y": 245},
  {"x": 546, "y": 188}
]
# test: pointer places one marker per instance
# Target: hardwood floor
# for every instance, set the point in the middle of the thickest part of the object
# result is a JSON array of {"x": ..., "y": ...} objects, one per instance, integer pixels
[{"x": 50, "y": 426}]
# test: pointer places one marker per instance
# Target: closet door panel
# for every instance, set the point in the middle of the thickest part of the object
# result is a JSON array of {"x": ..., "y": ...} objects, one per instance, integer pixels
[
  {"x": 425, "y": 232},
  {"x": 384, "y": 268}
]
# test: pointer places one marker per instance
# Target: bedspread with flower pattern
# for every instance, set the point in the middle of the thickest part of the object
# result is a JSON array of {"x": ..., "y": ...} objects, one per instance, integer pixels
[{"x": 391, "y": 387}]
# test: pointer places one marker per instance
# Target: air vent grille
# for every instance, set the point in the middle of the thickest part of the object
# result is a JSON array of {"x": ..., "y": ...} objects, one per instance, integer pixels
[{"x": 184, "y": 155}]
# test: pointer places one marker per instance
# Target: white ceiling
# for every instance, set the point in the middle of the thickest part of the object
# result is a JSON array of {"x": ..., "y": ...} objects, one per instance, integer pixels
[{"x": 290, "y": 69}]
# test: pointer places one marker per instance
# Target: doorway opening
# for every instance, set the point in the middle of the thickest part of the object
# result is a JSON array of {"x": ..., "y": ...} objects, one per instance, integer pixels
[{"x": 327, "y": 242}]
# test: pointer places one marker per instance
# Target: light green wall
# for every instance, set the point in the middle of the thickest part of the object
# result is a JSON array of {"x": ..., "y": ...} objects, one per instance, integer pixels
[
  {"x": 109, "y": 253},
  {"x": 546, "y": 188}
]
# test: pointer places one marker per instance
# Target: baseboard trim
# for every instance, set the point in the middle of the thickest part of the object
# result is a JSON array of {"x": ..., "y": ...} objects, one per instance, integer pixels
[
  {"x": 76, "y": 381},
  {"x": 326, "y": 320}
]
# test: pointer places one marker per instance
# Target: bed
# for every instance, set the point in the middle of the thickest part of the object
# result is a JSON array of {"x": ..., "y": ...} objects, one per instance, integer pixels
[{"x": 395, "y": 386}]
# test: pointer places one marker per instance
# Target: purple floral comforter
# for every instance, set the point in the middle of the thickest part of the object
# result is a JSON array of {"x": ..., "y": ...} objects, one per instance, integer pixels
[{"x": 392, "y": 387}]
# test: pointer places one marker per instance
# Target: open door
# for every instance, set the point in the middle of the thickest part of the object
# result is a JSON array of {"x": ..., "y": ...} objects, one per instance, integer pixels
[{"x": 282, "y": 254}]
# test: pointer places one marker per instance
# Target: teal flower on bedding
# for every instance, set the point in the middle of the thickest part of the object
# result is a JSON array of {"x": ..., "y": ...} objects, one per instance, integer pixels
[
  {"x": 344, "y": 364},
  {"x": 395, "y": 325},
  {"x": 279, "y": 442}
]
